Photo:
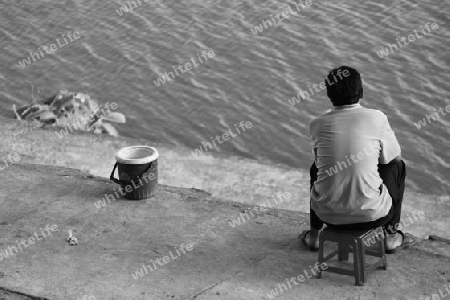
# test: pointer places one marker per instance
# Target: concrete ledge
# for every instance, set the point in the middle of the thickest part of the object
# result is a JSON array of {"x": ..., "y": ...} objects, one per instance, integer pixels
[
  {"x": 226, "y": 177},
  {"x": 225, "y": 262}
]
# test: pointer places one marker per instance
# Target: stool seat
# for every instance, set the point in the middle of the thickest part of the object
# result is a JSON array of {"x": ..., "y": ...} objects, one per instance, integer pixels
[{"x": 360, "y": 242}]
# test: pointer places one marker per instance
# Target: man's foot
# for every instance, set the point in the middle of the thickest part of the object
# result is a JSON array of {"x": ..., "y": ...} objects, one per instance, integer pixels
[
  {"x": 393, "y": 240},
  {"x": 310, "y": 238}
]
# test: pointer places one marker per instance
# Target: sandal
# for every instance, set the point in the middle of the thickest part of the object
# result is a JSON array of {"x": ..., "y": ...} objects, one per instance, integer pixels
[
  {"x": 407, "y": 241},
  {"x": 302, "y": 236}
]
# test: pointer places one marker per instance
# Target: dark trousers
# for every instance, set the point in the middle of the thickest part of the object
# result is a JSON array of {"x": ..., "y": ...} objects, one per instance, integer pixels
[{"x": 393, "y": 176}]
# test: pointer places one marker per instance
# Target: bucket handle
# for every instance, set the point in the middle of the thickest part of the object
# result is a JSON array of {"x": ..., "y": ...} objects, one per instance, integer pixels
[{"x": 124, "y": 182}]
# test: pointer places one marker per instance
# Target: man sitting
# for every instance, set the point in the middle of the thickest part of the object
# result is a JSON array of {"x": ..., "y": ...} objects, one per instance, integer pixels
[{"x": 358, "y": 177}]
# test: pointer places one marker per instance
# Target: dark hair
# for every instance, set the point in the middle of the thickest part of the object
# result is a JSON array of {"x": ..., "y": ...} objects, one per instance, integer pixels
[{"x": 344, "y": 86}]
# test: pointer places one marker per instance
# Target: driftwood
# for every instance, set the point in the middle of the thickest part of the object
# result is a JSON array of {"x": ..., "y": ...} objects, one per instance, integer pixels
[{"x": 75, "y": 110}]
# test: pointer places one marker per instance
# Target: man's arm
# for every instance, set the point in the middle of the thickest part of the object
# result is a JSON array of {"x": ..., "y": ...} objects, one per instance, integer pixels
[{"x": 390, "y": 148}]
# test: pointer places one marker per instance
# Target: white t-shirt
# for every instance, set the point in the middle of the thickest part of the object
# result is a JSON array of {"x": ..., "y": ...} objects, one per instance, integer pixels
[{"x": 349, "y": 142}]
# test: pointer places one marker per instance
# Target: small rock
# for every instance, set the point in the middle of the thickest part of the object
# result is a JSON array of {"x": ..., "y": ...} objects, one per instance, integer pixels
[{"x": 73, "y": 241}]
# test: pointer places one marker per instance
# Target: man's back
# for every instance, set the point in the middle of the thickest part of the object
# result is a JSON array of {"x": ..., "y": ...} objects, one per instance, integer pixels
[{"x": 349, "y": 142}]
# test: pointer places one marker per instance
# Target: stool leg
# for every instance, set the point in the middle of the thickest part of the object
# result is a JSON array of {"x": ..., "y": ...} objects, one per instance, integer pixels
[
  {"x": 356, "y": 263},
  {"x": 343, "y": 251},
  {"x": 383, "y": 254},
  {"x": 320, "y": 260},
  {"x": 362, "y": 260}
]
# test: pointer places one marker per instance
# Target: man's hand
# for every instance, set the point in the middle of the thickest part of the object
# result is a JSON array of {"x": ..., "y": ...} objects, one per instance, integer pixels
[{"x": 398, "y": 158}]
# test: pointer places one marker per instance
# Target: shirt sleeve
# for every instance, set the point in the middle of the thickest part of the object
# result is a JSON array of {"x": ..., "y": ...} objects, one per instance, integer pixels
[{"x": 390, "y": 148}]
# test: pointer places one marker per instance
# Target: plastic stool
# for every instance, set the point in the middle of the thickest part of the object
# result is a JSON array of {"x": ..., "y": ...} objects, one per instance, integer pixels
[{"x": 359, "y": 241}]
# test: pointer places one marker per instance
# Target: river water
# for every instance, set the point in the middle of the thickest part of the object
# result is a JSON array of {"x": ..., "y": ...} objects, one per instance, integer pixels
[{"x": 250, "y": 78}]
